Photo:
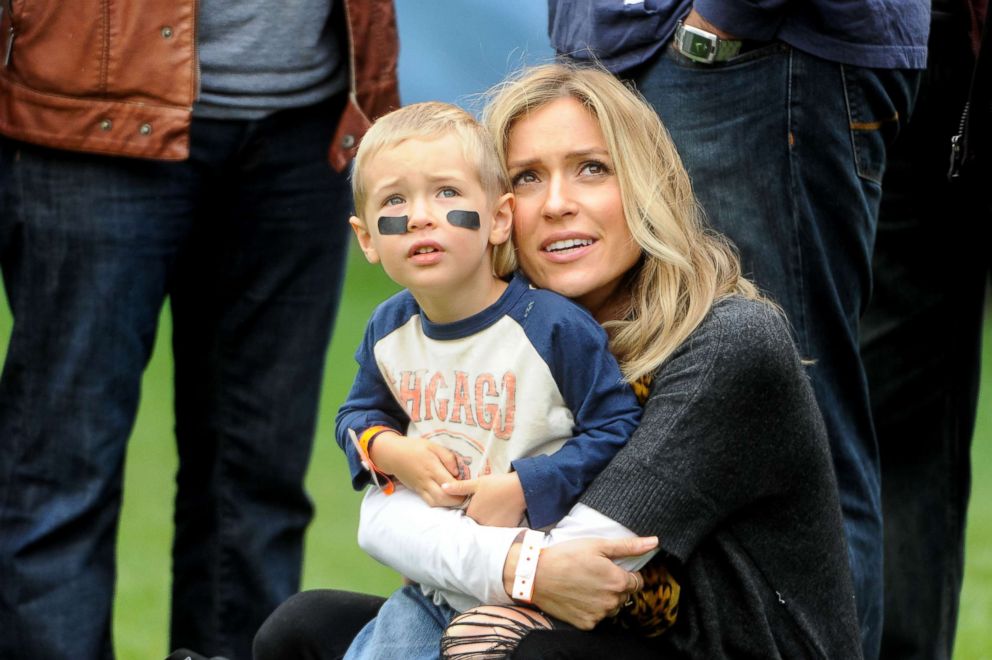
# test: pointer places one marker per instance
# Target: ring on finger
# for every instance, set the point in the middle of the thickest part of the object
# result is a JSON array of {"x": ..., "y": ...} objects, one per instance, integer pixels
[{"x": 633, "y": 588}]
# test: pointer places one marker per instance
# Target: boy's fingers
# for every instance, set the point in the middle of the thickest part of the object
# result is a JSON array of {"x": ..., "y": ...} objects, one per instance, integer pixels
[
  {"x": 463, "y": 471},
  {"x": 448, "y": 459},
  {"x": 437, "y": 497},
  {"x": 464, "y": 487}
]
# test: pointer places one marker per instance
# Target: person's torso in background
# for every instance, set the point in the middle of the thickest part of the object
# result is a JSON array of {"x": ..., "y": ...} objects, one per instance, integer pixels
[{"x": 260, "y": 57}]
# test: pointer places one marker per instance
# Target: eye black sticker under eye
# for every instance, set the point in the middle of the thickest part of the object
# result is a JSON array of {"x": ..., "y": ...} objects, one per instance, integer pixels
[
  {"x": 466, "y": 219},
  {"x": 392, "y": 224}
]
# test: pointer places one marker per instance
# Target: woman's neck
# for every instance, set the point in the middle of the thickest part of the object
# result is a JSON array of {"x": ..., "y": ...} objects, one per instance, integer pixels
[{"x": 614, "y": 308}]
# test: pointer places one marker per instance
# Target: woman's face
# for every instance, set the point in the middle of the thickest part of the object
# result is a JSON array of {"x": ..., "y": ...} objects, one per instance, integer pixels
[{"x": 569, "y": 226}]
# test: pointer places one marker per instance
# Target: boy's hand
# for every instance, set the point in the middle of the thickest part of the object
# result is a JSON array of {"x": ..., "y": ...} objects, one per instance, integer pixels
[
  {"x": 420, "y": 465},
  {"x": 497, "y": 500}
]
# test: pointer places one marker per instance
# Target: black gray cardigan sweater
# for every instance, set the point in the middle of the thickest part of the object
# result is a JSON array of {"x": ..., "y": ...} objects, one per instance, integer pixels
[{"x": 731, "y": 469}]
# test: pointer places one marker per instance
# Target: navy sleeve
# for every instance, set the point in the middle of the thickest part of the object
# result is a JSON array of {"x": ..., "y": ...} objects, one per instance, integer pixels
[
  {"x": 603, "y": 405},
  {"x": 369, "y": 403}
]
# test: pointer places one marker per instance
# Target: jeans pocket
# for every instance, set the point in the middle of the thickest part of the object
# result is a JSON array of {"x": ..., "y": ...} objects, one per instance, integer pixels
[
  {"x": 751, "y": 55},
  {"x": 873, "y": 120}
]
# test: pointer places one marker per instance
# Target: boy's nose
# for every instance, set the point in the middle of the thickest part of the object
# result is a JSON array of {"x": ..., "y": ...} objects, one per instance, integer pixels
[{"x": 420, "y": 218}]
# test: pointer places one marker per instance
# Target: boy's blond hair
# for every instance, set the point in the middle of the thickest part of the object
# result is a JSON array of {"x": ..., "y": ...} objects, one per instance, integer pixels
[{"x": 429, "y": 120}]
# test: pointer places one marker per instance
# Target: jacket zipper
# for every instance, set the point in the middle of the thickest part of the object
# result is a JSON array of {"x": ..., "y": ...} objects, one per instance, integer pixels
[
  {"x": 959, "y": 145},
  {"x": 11, "y": 32},
  {"x": 196, "y": 51}
]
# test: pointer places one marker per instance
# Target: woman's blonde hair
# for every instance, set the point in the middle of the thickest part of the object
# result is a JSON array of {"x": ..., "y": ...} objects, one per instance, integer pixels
[
  {"x": 685, "y": 267},
  {"x": 435, "y": 119}
]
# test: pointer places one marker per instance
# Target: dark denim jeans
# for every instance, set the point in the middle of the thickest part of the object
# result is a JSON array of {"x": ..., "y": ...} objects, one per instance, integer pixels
[
  {"x": 921, "y": 345},
  {"x": 786, "y": 152},
  {"x": 248, "y": 240}
]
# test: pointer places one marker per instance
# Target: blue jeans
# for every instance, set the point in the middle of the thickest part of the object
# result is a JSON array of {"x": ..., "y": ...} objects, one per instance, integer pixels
[
  {"x": 409, "y": 626},
  {"x": 786, "y": 152},
  {"x": 248, "y": 240},
  {"x": 921, "y": 345}
]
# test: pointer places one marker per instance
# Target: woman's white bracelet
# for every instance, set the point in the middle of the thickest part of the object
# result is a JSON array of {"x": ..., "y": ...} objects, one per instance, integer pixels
[{"x": 523, "y": 578}]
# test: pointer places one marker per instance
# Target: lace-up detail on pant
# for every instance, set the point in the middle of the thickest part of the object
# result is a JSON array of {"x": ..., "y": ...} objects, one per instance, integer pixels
[{"x": 490, "y": 632}]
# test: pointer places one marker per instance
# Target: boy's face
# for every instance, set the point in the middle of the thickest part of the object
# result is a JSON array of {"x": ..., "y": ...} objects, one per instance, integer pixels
[{"x": 427, "y": 218}]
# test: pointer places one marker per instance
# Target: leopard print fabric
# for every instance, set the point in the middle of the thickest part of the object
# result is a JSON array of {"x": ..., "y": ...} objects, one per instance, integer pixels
[
  {"x": 642, "y": 388},
  {"x": 653, "y": 609}
]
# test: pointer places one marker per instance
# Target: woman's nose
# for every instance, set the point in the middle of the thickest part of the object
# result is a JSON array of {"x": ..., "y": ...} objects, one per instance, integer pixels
[{"x": 559, "y": 202}]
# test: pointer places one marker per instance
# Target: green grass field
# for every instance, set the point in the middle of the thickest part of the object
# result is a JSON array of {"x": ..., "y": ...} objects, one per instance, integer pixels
[{"x": 332, "y": 557}]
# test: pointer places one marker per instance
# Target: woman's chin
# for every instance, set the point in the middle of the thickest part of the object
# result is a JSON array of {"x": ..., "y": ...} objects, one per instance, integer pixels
[{"x": 574, "y": 288}]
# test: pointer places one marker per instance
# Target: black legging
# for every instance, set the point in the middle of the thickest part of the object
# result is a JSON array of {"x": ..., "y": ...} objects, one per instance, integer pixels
[
  {"x": 320, "y": 624},
  {"x": 315, "y": 625}
]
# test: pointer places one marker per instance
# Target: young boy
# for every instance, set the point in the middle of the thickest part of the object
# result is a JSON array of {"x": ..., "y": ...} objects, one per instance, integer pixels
[{"x": 464, "y": 374}]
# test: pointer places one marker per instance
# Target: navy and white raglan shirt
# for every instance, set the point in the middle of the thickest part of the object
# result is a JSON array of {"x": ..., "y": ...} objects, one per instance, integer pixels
[{"x": 528, "y": 384}]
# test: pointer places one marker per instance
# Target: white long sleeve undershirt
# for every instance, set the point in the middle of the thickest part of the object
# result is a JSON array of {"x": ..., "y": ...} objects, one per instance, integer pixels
[{"x": 435, "y": 546}]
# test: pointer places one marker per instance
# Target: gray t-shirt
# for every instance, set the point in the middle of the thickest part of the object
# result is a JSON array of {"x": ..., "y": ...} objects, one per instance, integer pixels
[{"x": 260, "y": 57}]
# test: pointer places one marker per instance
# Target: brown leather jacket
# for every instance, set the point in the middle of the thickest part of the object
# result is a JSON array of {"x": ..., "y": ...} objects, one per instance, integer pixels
[{"x": 120, "y": 78}]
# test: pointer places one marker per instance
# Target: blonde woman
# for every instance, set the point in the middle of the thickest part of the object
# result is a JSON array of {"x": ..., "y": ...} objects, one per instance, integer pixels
[{"x": 729, "y": 473}]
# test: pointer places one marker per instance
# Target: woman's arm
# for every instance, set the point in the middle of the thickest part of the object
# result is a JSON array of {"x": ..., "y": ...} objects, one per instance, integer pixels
[
  {"x": 446, "y": 550},
  {"x": 729, "y": 420}
]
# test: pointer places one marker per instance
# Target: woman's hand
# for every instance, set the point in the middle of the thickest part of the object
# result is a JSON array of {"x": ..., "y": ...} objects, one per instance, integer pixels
[
  {"x": 578, "y": 582},
  {"x": 497, "y": 500}
]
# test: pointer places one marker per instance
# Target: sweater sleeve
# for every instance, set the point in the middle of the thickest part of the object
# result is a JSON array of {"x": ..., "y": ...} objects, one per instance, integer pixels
[
  {"x": 718, "y": 430},
  {"x": 369, "y": 403},
  {"x": 605, "y": 412}
]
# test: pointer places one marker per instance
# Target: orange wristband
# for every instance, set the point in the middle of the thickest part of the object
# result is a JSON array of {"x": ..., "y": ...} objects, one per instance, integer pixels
[
  {"x": 370, "y": 434},
  {"x": 362, "y": 444}
]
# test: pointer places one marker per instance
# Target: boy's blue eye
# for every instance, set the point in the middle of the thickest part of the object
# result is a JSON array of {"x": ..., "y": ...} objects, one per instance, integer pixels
[
  {"x": 393, "y": 201},
  {"x": 448, "y": 192}
]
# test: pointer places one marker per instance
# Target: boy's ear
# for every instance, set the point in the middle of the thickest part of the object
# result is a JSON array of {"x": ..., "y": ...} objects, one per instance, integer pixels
[
  {"x": 364, "y": 239},
  {"x": 502, "y": 219}
]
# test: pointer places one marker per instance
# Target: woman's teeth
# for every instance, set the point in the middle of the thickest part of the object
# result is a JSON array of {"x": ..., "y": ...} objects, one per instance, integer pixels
[{"x": 568, "y": 244}]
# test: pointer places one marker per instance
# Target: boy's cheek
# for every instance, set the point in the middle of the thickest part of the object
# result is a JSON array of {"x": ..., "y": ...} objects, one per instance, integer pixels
[
  {"x": 393, "y": 225},
  {"x": 465, "y": 219}
]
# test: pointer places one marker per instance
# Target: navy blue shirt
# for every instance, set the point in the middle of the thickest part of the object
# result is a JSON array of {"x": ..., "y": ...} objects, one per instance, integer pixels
[{"x": 885, "y": 34}]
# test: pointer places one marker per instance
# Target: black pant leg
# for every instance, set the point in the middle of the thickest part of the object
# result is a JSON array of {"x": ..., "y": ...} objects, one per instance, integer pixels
[{"x": 315, "y": 625}]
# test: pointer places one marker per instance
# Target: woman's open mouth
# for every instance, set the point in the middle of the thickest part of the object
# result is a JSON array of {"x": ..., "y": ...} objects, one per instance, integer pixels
[{"x": 567, "y": 245}]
